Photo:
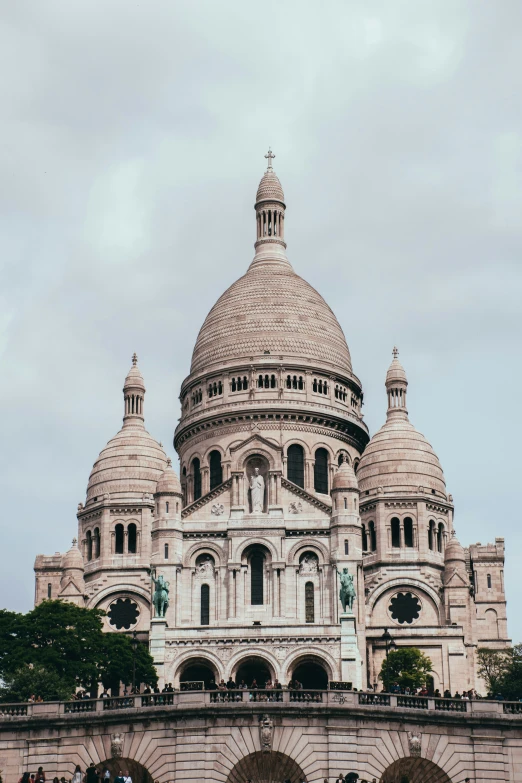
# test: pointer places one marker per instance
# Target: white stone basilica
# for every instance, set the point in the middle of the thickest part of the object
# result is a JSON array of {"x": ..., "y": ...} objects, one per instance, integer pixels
[{"x": 281, "y": 488}]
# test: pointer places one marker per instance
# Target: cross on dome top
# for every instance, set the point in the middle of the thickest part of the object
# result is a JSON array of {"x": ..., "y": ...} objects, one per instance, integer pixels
[
  {"x": 269, "y": 156},
  {"x": 134, "y": 359},
  {"x": 395, "y": 352}
]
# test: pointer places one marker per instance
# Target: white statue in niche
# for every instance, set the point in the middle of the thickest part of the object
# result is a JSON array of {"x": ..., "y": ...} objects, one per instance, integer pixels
[
  {"x": 309, "y": 564},
  {"x": 257, "y": 490},
  {"x": 205, "y": 568}
]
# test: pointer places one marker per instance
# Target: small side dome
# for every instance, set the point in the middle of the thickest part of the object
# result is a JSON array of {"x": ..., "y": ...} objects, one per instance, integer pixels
[
  {"x": 345, "y": 478},
  {"x": 72, "y": 560},
  {"x": 168, "y": 483},
  {"x": 454, "y": 551},
  {"x": 270, "y": 188}
]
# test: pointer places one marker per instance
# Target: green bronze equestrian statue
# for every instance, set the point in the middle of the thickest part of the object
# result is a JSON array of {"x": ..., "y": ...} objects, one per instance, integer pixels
[{"x": 347, "y": 592}]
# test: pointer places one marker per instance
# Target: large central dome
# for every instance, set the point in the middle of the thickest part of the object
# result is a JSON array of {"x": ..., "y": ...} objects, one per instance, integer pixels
[{"x": 271, "y": 310}]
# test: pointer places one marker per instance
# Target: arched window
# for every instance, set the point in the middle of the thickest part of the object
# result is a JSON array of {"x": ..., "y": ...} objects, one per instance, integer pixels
[
  {"x": 196, "y": 474},
  {"x": 257, "y": 562},
  {"x": 309, "y": 602},
  {"x": 49, "y": 590},
  {"x": 216, "y": 469},
  {"x": 395, "y": 532},
  {"x": 295, "y": 469},
  {"x": 205, "y": 604},
  {"x": 373, "y": 537},
  {"x": 346, "y": 547},
  {"x": 364, "y": 539},
  {"x": 301, "y": 382},
  {"x": 96, "y": 541},
  {"x": 440, "y": 534},
  {"x": 89, "y": 545},
  {"x": 272, "y": 381},
  {"x": 489, "y": 581},
  {"x": 431, "y": 535},
  {"x": 288, "y": 382},
  {"x": 321, "y": 471},
  {"x": 166, "y": 551},
  {"x": 131, "y": 539},
  {"x": 408, "y": 532},
  {"x": 314, "y": 385},
  {"x": 118, "y": 544},
  {"x": 233, "y": 387},
  {"x": 166, "y": 507}
]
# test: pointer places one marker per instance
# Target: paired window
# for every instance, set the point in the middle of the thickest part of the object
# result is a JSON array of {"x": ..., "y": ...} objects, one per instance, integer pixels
[
  {"x": 93, "y": 543},
  {"x": 340, "y": 393},
  {"x": 197, "y": 396},
  {"x": 295, "y": 382},
  {"x": 239, "y": 384},
  {"x": 369, "y": 537},
  {"x": 215, "y": 389},
  {"x": 436, "y": 536},
  {"x": 404, "y": 537},
  {"x": 319, "y": 386},
  {"x": 295, "y": 464},
  {"x": 119, "y": 539},
  {"x": 321, "y": 471},
  {"x": 266, "y": 382}
]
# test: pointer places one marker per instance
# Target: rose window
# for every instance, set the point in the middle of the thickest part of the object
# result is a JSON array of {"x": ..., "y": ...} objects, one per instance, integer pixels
[
  {"x": 404, "y": 608},
  {"x": 123, "y": 613}
]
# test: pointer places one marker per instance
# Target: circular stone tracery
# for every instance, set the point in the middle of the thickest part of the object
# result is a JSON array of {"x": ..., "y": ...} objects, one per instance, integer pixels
[
  {"x": 404, "y": 608},
  {"x": 123, "y": 613}
]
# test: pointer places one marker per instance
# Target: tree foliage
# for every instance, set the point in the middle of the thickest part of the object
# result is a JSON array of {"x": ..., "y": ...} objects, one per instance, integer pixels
[
  {"x": 68, "y": 641},
  {"x": 35, "y": 681},
  {"x": 501, "y": 670},
  {"x": 407, "y": 666}
]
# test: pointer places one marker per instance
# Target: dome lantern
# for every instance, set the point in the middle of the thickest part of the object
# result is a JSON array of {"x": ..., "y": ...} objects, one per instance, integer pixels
[
  {"x": 133, "y": 394},
  {"x": 270, "y": 218},
  {"x": 396, "y": 386}
]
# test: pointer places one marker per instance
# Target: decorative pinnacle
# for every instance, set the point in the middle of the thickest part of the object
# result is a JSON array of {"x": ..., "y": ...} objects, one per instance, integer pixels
[
  {"x": 269, "y": 156},
  {"x": 395, "y": 352},
  {"x": 74, "y": 541},
  {"x": 169, "y": 462},
  {"x": 134, "y": 359}
]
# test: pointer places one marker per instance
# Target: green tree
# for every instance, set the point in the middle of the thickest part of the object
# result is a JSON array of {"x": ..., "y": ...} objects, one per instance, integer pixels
[
  {"x": 407, "y": 666},
  {"x": 37, "y": 681},
  {"x": 493, "y": 667},
  {"x": 68, "y": 641}
]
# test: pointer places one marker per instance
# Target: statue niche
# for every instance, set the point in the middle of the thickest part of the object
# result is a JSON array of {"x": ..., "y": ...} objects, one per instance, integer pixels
[{"x": 257, "y": 479}]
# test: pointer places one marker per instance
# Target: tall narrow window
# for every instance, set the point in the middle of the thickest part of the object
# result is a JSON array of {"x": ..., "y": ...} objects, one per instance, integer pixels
[
  {"x": 321, "y": 471},
  {"x": 166, "y": 551},
  {"x": 96, "y": 541},
  {"x": 395, "y": 532},
  {"x": 440, "y": 537},
  {"x": 431, "y": 535},
  {"x": 364, "y": 539},
  {"x": 196, "y": 474},
  {"x": 49, "y": 590},
  {"x": 256, "y": 579},
  {"x": 89, "y": 545},
  {"x": 489, "y": 581},
  {"x": 205, "y": 604},
  {"x": 373, "y": 536},
  {"x": 408, "y": 532},
  {"x": 309, "y": 602},
  {"x": 296, "y": 464},
  {"x": 131, "y": 538},
  {"x": 166, "y": 507},
  {"x": 216, "y": 469},
  {"x": 118, "y": 543},
  {"x": 346, "y": 548}
]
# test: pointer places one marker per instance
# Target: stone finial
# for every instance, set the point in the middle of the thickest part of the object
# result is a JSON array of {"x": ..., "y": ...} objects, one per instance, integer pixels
[
  {"x": 395, "y": 352},
  {"x": 74, "y": 541},
  {"x": 169, "y": 462},
  {"x": 134, "y": 359},
  {"x": 269, "y": 156}
]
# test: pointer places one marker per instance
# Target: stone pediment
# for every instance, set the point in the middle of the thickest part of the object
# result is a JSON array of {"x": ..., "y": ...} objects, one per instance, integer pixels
[
  {"x": 256, "y": 439},
  {"x": 297, "y": 497},
  {"x": 70, "y": 590},
  {"x": 456, "y": 579},
  {"x": 211, "y": 503}
]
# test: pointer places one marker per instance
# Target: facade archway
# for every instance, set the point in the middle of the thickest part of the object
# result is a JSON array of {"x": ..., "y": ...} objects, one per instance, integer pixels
[
  {"x": 414, "y": 770},
  {"x": 137, "y": 771},
  {"x": 261, "y": 767},
  {"x": 251, "y": 668},
  {"x": 198, "y": 670},
  {"x": 311, "y": 671}
]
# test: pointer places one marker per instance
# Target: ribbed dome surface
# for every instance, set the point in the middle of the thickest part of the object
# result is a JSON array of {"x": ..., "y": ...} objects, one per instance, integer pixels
[
  {"x": 129, "y": 465},
  {"x": 398, "y": 457},
  {"x": 169, "y": 481},
  {"x": 72, "y": 559},
  {"x": 271, "y": 309},
  {"x": 344, "y": 477},
  {"x": 270, "y": 188}
]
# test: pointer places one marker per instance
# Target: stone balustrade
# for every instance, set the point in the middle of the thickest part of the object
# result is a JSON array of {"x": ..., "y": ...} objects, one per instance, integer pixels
[{"x": 310, "y": 698}]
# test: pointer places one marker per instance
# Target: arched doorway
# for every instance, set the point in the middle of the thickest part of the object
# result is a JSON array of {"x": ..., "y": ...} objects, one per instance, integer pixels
[
  {"x": 260, "y": 767},
  {"x": 414, "y": 770},
  {"x": 137, "y": 771},
  {"x": 253, "y": 668},
  {"x": 311, "y": 674},
  {"x": 197, "y": 670}
]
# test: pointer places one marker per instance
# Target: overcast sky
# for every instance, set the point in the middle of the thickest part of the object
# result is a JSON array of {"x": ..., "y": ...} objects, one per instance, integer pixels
[{"x": 132, "y": 138}]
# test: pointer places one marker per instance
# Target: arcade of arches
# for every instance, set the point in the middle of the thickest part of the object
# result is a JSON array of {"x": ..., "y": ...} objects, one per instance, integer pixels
[{"x": 309, "y": 670}]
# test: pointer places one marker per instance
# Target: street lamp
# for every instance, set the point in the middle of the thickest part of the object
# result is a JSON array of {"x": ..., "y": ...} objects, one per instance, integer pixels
[
  {"x": 134, "y": 649},
  {"x": 388, "y": 641}
]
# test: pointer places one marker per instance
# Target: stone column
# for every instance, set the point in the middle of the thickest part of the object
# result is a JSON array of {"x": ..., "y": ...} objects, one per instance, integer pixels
[
  {"x": 205, "y": 480},
  {"x": 309, "y": 474}
]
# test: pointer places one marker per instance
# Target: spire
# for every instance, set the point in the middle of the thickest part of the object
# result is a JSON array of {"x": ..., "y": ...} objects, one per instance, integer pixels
[
  {"x": 396, "y": 386},
  {"x": 270, "y": 218},
  {"x": 133, "y": 394}
]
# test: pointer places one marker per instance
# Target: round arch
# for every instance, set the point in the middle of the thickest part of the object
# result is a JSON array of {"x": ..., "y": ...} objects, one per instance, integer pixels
[
  {"x": 259, "y": 541},
  {"x": 307, "y": 543},
  {"x": 253, "y": 451},
  {"x": 213, "y": 447},
  {"x": 414, "y": 770},
  {"x": 110, "y": 592},
  {"x": 201, "y": 548},
  {"x": 253, "y": 659},
  {"x": 322, "y": 445},
  {"x": 189, "y": 659},
  {"x": 318, "y": 657},
  {"x": 404, "y": 582},
  {"x": 137, "y": 771},
  {"x": 298, "y": 442},
  {"x": 266, "y": 768}
]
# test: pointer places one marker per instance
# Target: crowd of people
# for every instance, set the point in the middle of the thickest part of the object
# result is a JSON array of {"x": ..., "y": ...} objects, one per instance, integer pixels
[{"x": 92, "y": 774}]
